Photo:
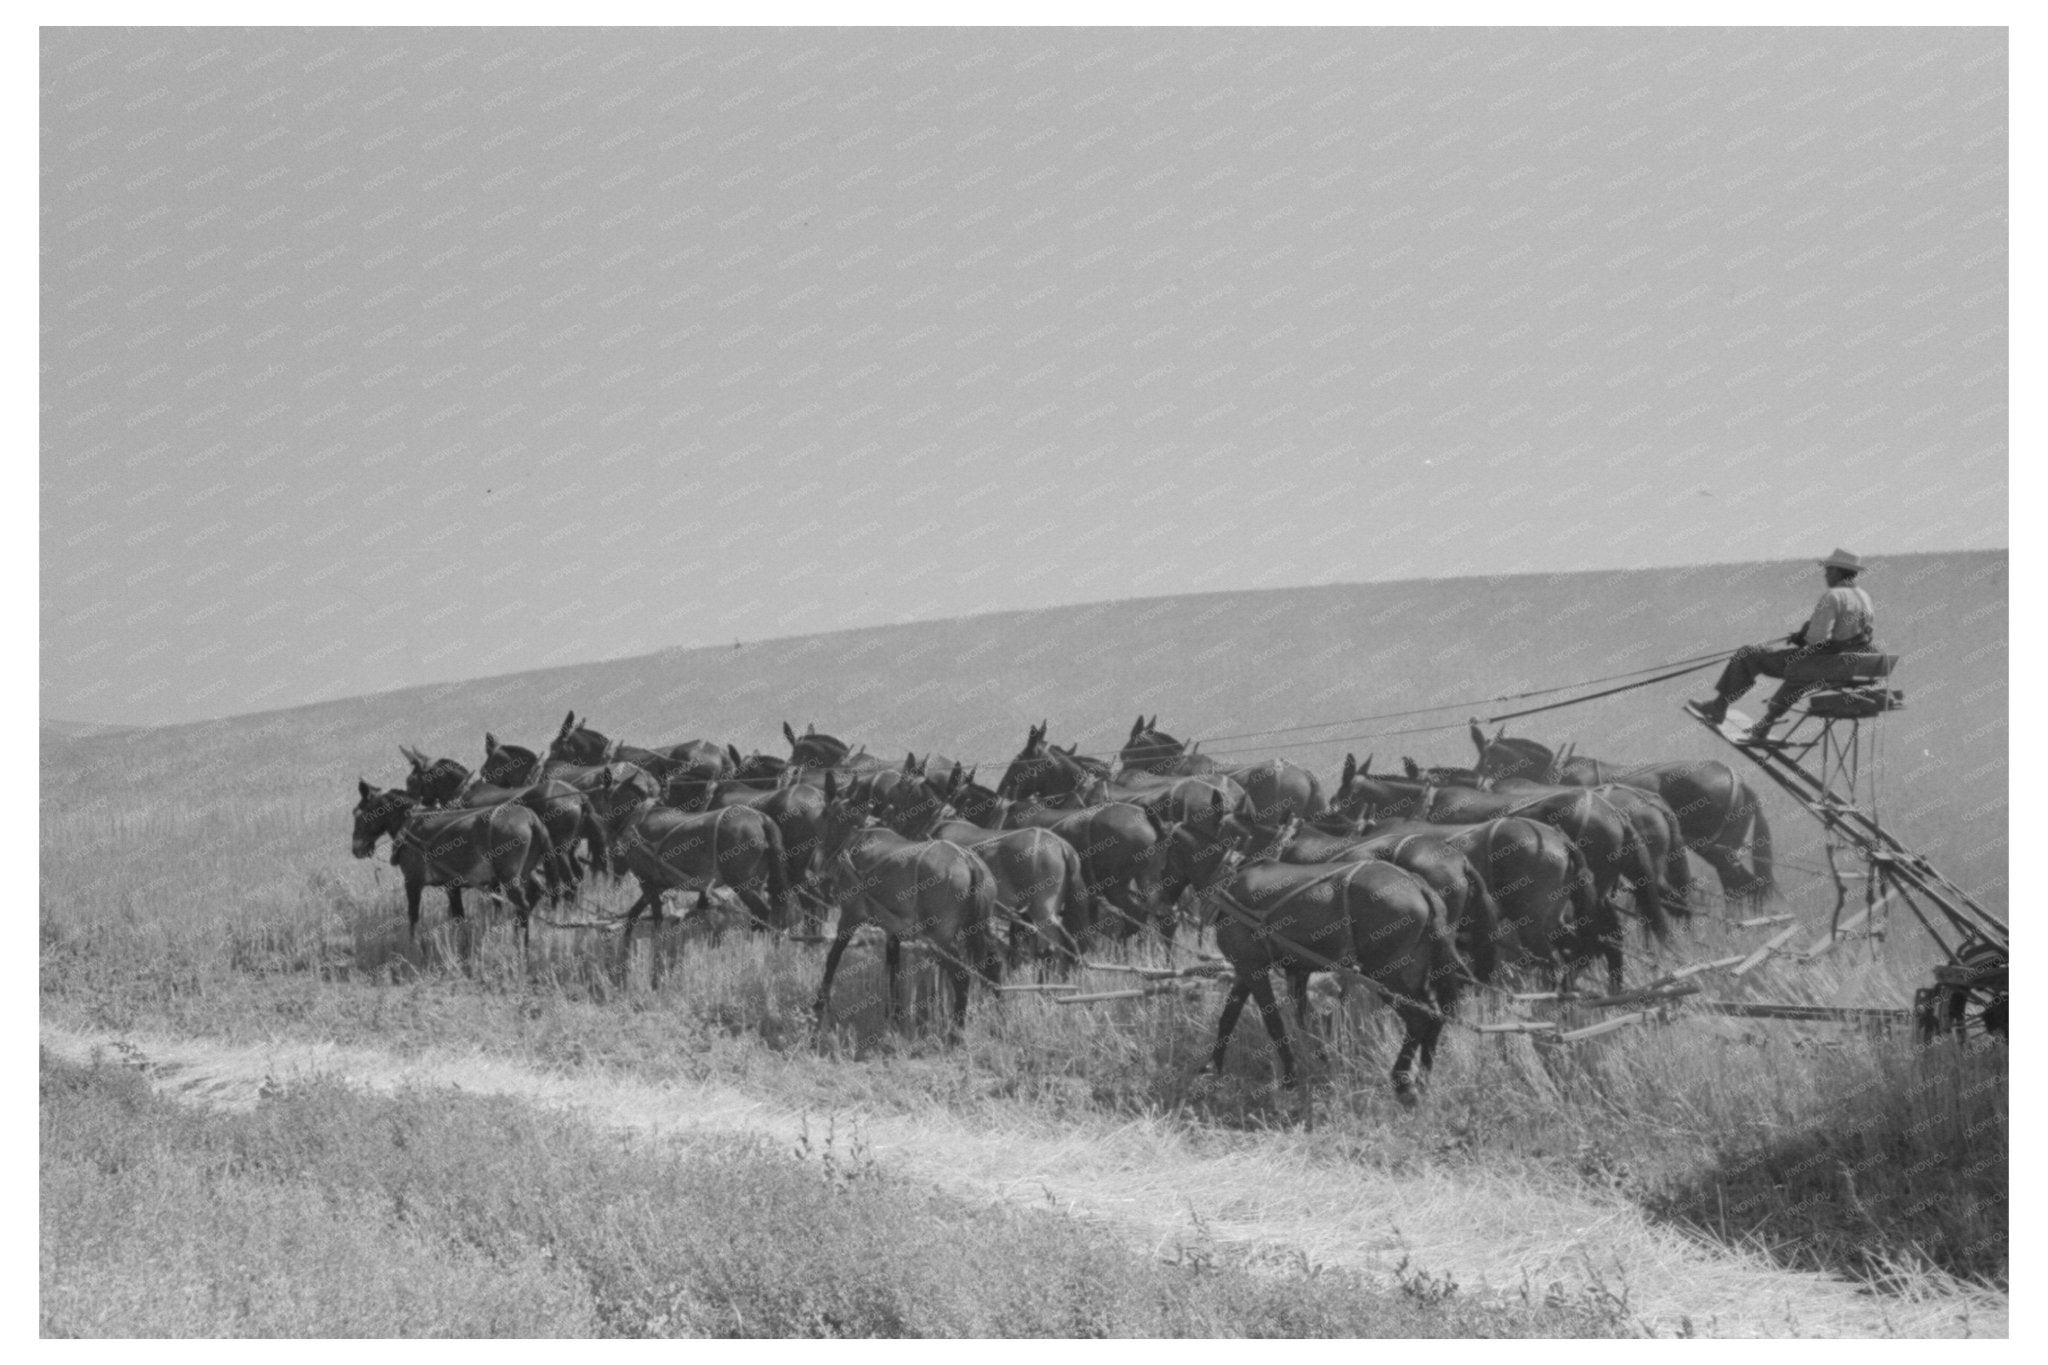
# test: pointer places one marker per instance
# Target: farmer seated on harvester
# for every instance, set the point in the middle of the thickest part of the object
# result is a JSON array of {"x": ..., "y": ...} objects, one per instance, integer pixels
[{"x": 1842, "y": 623}]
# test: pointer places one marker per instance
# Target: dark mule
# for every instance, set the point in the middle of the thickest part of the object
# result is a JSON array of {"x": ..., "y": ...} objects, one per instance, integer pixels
[
  {"x": 1368, "y": 916},
  {"x": 822, "y": 753},
  {"x": 925, "y": 889},
  {"x": 1469, "y": 907},
  {"x": 496, "y": 848},
  {"x": 569, "y": 816},
  {"x": 796, "y": 809},
  {"x": 1605, "y": 834},
  {"x": 1040, "y": 887},
  {"x": 576, "y": 742},
  {"x": 1550, "y": 912},
  {"x": 1277, "y": 788},
  {"x": 1151, "y": 750},
  {"x": 1717, "y": 811},
  {"x": 1655, "y": 823},
  {"x": 1055, "y": 776},
  {"x": 667, "y": 850},
  {"x": 509, "y": 765},
  {"x": 1121, "y": 847}
]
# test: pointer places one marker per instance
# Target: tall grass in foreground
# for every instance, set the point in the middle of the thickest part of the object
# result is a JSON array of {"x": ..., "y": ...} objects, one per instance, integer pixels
[
  {"x": 1826, "y": 1146},
  {"x": 331, "y": 1213}
]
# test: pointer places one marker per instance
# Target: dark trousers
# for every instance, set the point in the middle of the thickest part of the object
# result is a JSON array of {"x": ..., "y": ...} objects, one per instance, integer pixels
[{"x": 1754, "y": 661}]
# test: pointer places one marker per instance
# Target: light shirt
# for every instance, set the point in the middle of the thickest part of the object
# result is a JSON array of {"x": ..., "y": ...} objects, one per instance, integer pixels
[{"x": 1843, "y": 613}]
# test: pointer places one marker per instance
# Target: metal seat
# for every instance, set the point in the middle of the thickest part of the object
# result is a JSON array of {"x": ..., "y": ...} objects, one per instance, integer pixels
[
  {"x": 1840, "y": 668},
  {"x": 1845, "y": 686}
]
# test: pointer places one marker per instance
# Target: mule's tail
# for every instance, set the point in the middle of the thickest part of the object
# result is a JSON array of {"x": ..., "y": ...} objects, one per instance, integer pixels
[
  {"x": 1677, "y": 868},
  {"x": 979, "y": 939},
  {"x": 1649, "y": 883},
  {"x": 1154, "y": 865},
  {"x": 1760, "y": 855},
  {"x": 1583, "y": 888},
  {"x": 1484, "y": 913},
  {"x": 778, "y": 873},
  {"x": 1077, "y": 901},
  {"x": 597, "y": 841},
  {"x": 1448, "y": 972},
  {"x": 540, "y": 858}
]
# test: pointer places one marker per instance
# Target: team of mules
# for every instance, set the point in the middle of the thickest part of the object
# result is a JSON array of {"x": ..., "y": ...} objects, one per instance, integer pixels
[{"x": 1410, "y": 886}]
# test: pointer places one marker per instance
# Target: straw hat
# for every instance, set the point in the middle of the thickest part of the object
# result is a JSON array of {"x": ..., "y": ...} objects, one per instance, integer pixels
[{"x": 1842, "y": 559}]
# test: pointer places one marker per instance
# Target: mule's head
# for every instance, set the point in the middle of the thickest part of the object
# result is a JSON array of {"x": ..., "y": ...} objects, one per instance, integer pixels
[
  {"x": 1206, "y": 845},
  {"x": 434, "y": 783},
  {"x": 910, "y": 807},
  {"x": 576, "y": 742},
  {"x": 378, "y": 814},
  {"x": 1504, "y": 756},
  {"x": 845, "y": 814},
  {"x": 1151, "y": 749},
  {"x": 508, "y": 765}
]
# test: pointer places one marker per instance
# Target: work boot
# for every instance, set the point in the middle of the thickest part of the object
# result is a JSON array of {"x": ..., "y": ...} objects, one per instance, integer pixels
[{"x": 1713, "y": 711}]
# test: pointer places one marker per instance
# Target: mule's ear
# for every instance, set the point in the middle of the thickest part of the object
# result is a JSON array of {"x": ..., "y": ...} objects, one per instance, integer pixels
[
  {"x": 1408, "y": 767},
  {"x": 1350, "y": 771},
  {"x": 831, "y": 787},
  {"x": 789, "y": 734},
  {"x": 1478, "y": 736},
  {"x": 733, "y": 752},
  {"x": 568, "y": 723},
  {"x": 1153, "y": 724},
  {"x": 1500, "y": 734},
  {"x": 490, "y": 742},
  {"x": 1137, "y": 728},
  {"x": 810, "y": 727},
  {"x": 1367, "y": 769},
  {"x": 411, "y": 758},
  {"x": 364, "y": 788}
]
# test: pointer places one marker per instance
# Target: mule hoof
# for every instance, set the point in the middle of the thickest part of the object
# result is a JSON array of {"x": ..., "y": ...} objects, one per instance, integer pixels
[
  {"x": 1407, "y": 1095},
  {"x": 1290, "y": 1082}
]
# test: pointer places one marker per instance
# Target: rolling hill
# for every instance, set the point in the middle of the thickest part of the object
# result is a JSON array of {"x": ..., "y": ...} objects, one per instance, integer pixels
[{"x": 1211, "y": 666}]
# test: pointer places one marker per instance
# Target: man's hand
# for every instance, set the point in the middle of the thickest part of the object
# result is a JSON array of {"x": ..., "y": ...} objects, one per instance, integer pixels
[{"x": 1797, "y": 637}]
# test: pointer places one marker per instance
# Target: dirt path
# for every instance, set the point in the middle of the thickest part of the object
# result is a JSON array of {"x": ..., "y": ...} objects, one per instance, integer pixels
[{"x": 1162, "y": 1186}]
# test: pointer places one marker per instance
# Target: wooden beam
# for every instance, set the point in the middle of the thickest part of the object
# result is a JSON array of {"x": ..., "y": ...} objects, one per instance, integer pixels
[{"x": 1770, "y": 945}]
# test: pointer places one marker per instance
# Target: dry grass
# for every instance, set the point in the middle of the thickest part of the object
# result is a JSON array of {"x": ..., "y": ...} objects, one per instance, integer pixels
[
  {"x": 323, "y": 1211},
  {"x": 1733, "y": 1130}
]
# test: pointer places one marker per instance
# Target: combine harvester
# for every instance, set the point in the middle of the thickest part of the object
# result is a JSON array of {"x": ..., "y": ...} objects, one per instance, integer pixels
[{"x": 1830, "y": 761}]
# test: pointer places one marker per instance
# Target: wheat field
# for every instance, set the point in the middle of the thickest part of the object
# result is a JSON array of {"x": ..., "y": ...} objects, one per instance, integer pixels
[{"x": 195, "y": 883}]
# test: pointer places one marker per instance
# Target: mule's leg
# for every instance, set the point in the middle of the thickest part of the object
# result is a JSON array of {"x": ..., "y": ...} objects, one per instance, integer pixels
[
  {"x": 1240, "y": 990},
  {"x": 650, "y": 897},
  {"x": 832, "y": 956},
  {"x": 757, "y": 904},
  {"x": 1610, "y": 948},
  {"x": 412, "y": 909},
  {"x": 1737, "y": 883},
  {"x": 1276, "y": 1027},
  {"x": 894, "y": 956},
  {"x": 518, "y": 892},
  {"x": 1297, "y": 985},
  {"x": 1414, "y": 1023},
  {"x": 959, "y": 978}
]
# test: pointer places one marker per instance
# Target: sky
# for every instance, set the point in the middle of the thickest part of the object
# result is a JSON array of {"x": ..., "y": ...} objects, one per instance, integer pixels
[{"x": 380, "y": 357}]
